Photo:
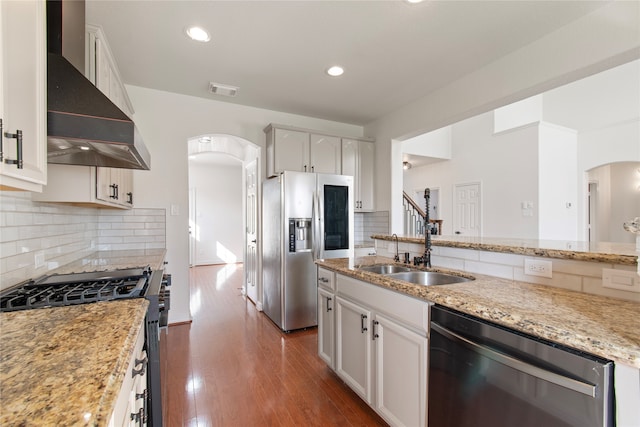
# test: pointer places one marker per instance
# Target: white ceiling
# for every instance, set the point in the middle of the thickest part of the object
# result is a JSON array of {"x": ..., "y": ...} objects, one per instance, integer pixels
[{"x": 276, "y": 52}]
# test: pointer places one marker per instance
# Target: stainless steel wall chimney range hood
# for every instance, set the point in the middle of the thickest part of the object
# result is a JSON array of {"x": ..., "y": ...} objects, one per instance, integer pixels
[{"x": 83, "y": 126}]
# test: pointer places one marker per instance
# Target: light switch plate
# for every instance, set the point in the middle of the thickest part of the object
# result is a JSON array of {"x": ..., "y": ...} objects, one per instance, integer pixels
[{"x": 620, "y": 279}]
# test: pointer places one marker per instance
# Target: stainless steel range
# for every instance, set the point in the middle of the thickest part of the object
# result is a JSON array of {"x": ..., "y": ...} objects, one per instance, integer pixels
[{"x": 58, "y": 290}]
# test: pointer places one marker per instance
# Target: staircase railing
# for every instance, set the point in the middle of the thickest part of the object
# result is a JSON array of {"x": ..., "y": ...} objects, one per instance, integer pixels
[{"x": 414, "y": 218}]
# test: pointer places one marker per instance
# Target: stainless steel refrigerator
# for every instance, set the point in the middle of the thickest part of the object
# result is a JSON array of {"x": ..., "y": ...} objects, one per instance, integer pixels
[{"x": 306, "y": 216}]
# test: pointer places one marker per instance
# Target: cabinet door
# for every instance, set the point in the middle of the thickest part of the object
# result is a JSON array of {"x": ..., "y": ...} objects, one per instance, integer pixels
[
  {"x": 326, "y": 304},
  {"x": 366, "y": 177},
  {"x": 125, "y": 182},
  {"x": 401, "y": 373},
  {"x": 23, "y": 93},
  {"x": 325, "y": 154},
  {"x": 105, "y": 189},
  {"x": 350, "y": 167},
  {"x": 291, "y": 151},
  {"x": 353, "y": 349}
]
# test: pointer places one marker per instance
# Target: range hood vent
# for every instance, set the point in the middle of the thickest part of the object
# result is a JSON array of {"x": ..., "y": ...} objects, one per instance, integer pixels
[{"x": 83, "y": 126}]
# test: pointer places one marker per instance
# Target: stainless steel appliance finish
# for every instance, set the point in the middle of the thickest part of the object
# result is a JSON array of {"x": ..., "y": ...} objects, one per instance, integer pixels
[
  {"x": 305, "y": 216},
  {"x": 83, "y": 126},
  {"x": 481, "y": 374},
  {"x": 58, "y": 290}
]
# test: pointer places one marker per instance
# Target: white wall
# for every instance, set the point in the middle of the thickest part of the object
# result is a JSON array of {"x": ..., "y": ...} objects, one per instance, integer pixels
[
  {"x": 219, "y": 212},
  {"x": 506, "y": 164},
  {"x": 625, "y": 196},
  {"x": 557, "y": 183},
  {"x": 167, "y": 121},
  {"x": 601, "y": 40}
]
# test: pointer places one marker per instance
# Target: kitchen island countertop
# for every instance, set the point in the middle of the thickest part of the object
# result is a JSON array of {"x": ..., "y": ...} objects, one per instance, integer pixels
[
  {"x": 607, "y": 252},
  {"x": 603, "y": 326},
  {"x": 64, "y": 366}
]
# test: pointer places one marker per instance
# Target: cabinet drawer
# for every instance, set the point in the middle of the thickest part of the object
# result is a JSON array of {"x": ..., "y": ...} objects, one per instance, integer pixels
[
  {"x": 326, "y": 279},
  {"x": 411, "y": 312}
]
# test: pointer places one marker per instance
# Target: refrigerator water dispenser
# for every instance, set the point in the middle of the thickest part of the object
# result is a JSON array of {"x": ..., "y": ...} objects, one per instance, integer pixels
[{"x": 299, "y": 234}]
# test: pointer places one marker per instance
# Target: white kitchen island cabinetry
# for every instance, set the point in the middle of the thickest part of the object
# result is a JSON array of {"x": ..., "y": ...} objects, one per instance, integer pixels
[
  {"x": 358, "y": 157},
  {"x": 300, "y": 150},
  {"x": 381, "y": 349},
  {"x": 23, "y": 90},
  {"x": 326, "y": 316}
]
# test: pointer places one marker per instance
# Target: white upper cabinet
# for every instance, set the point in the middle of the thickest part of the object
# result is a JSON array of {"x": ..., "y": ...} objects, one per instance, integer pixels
[
  {"x": 324, "y": 154},
  {"x": 102, "y": 70},
  {"x": 88, "y": 186},
  {"x": 299, "y": 150},
  {"x": 358, "y": 157},
  {"x": 287, "y": 150},
  {"x": 23, "y": 90}
]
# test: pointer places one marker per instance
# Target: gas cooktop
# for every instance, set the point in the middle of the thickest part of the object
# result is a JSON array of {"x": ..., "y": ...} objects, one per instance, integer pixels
[{"x": 76, "y": 288}]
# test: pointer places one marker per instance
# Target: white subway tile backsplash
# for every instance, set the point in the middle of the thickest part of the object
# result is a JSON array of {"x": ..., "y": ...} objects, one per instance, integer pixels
[
  {"x": 65, "y": 233},
  {"x": 500, "y": 258},
  {"x": 495, "y": 270},
  {"x": 581, "y": 268},
  {"x": 446, "y": 262},
  {"x": 460, "y": 253},
  {"x": 594, "y": 286},
  {"x": 580, "y": 276}
]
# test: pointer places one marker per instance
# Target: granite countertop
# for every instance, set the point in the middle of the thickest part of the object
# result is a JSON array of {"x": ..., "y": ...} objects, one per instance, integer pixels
[
  {"x": 615, "y": 253},
  {"x": 64, "y": 366},
  {"x": 114, "y": 260},
  {"x": 603, "y": 326}
]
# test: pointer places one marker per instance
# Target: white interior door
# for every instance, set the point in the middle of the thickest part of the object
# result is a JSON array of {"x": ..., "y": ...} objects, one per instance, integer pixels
[
  {"x": 193, "y": 229},
  {"x": 251, "y": 267},
  {"x": 466, "y": 212}
]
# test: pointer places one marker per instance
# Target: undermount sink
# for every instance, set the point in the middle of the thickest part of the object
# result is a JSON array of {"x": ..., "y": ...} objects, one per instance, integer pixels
[
  {"x": 428, "y": 278},
  {"x": 385, "y": 269}
]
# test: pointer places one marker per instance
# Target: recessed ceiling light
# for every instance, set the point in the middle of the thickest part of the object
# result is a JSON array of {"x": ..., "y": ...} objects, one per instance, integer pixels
[
  {"x": 198, "y": 34},
  {"x": 335, "y": 71},
  {"x": 414, "y": 1},
  {"x": 84, "y": 148}
]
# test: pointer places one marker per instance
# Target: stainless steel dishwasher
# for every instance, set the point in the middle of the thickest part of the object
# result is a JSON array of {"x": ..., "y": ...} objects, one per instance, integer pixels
[{"x": 482, "y": 374}]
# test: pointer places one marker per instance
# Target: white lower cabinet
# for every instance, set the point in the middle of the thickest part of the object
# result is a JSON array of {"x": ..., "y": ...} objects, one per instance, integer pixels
[
  {"x": 381, "y": 349},
  {"x": 353, "y": 347},
  {"x": 326, "y": 305},
  {"x": 401, "y": 373},
  {"x": 130, "y": 403}
]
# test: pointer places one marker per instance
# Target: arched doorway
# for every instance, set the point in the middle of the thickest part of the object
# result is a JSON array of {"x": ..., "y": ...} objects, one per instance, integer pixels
[{"x": 223, "y": 206}]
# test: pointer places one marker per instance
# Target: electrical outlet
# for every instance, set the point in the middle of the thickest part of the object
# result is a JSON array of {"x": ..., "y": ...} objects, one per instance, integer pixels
[
  {"x": 537, "y": 267},
  {"x": 39, "y": 260}
]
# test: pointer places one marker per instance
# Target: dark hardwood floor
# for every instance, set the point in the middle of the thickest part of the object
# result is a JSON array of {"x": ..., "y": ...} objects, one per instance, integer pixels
[{"x": 233, "y": 367}]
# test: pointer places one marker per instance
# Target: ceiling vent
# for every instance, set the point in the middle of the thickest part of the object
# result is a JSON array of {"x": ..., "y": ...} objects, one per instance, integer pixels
[{"x": 220, "y": 89}]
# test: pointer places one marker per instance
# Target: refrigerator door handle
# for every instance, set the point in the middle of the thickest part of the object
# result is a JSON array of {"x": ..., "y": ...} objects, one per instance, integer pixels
[
  {"x": 320, "y": 207},
  {"x": 314, "y": 228}
]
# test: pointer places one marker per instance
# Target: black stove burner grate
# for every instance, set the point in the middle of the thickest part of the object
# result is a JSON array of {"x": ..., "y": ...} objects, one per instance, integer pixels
[{"x": 56, "y": 291}]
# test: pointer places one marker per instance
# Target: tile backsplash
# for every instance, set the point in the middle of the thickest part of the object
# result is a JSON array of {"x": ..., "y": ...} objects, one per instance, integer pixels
[
  {"x": 56, "y": 234},
  {"x": 368, "y": 223},
  {"x": 580, "y": 276}
]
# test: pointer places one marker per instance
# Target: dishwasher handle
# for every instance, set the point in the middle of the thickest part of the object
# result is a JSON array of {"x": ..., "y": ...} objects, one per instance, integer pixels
[{"x": 519, "y": 365}]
